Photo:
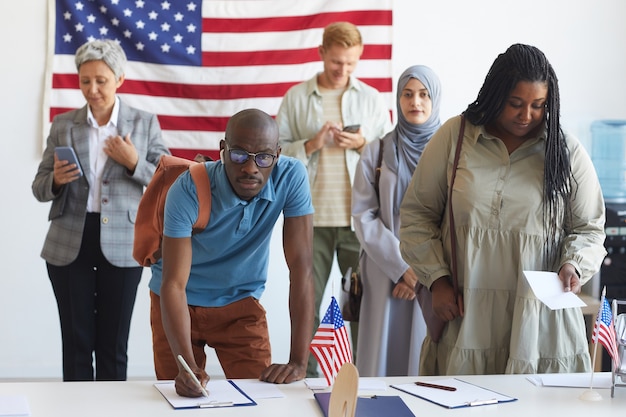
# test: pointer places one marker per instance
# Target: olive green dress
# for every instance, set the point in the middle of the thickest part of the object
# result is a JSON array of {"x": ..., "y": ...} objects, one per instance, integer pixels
[{"x": 497, "y": 200}]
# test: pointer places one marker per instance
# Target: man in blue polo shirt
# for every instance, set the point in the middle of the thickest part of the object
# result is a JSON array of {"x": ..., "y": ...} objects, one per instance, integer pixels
[{"x": 206, "y": 288}]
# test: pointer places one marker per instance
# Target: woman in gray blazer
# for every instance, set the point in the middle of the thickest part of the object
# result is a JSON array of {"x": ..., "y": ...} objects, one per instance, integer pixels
[{"x": 88, "y": 248}]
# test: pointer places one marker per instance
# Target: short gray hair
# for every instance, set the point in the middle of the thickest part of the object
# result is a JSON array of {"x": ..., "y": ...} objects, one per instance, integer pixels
[{"x": 106, "y": 50}]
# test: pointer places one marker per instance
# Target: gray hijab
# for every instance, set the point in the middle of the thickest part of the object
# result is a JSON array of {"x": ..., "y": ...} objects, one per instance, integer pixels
[{"x": 403, "y": 146}]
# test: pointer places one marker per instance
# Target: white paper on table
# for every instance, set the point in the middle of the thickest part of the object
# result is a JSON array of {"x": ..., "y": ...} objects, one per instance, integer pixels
[
  {"x": 316, "y": 383},
  {"x": 580, "y": 380},
  {"x": 14, "y": 405},
  {"x": 465, "y": 394},
  {"x": 222, "y": 393},
  {"x": 365, "y": 384},
  {"x": 548, "y": 288},
  {"x": 372, "y": 384},
  {"x": 258, "y": 389}
]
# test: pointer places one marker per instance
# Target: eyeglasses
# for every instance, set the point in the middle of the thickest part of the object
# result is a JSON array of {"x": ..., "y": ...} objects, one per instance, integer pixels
[{"x": 261, "y": 159}]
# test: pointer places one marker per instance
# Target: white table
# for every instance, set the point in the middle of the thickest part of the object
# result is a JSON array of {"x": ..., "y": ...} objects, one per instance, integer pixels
[{"x": 140, "y": 398}]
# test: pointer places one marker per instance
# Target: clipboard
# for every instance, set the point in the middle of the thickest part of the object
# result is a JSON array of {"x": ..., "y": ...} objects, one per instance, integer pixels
[
  {"x": 374, "y": 406},
  {"x": 465, "y": 394},
  {"x": 222, "y": 393}
]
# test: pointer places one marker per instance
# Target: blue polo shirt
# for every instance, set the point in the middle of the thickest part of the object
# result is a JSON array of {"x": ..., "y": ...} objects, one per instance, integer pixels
[{"x": 230, "y": 257}]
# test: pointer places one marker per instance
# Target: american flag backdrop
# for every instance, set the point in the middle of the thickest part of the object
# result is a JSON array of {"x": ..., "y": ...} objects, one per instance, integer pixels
[
  {"x": 195, "y": 63},
  {"x": 604, "y": 331},
  {"x": 331, "y": 343}
]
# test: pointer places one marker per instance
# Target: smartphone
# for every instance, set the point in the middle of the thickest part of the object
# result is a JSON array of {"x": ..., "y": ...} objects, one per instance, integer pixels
[
  {"x": 352, "y": 128},
  {"x": 66, "y": 153}
]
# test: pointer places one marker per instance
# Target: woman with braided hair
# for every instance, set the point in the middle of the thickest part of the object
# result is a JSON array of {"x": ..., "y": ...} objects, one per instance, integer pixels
[{"x": 525, "y": 197}]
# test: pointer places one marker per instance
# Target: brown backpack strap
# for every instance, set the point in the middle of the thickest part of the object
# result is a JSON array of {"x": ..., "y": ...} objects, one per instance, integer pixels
[
  {"x": 200, "y": 178},
  {"x": 455, "y": 280}
]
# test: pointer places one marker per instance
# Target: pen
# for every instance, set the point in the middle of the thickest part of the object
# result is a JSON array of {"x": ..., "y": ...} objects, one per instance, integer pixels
[
  {"x": 193, "y": 376},
  {"x": 443, "y": 387}
]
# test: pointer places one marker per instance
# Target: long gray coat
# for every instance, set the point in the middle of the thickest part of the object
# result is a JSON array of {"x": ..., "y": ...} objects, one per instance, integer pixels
[
  {"x": 391, "y": 330},
  {"x": 120, "y": 192}
]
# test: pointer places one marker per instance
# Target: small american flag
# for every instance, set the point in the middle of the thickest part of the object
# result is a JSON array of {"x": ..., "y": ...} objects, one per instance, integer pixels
[
  {"x": 195, "y": 63},
  {"x": 604, "y": 331},
  {"x": 331, "y": 344}
]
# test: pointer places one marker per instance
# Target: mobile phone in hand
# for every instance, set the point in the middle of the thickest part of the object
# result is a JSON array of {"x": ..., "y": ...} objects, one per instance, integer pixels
[
  {"x": 352, "y": 128},
  {"x": 66, "y": 153}
]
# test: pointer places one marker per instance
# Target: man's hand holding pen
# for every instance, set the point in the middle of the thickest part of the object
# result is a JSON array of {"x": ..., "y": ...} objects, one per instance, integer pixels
[{"x": 191, "y": 382}]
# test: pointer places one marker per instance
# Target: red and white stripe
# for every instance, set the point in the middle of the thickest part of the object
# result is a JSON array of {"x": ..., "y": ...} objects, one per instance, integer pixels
[
  {"x": 253, "y": 51},
  {"x": 332, "y": 349}
]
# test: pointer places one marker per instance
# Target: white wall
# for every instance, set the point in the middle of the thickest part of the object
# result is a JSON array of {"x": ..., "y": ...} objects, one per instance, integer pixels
[{"x": 585, "y": 41}]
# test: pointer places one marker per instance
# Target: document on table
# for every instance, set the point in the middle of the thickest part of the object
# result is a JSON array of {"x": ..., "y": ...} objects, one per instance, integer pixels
[
  {"x": 259, "y": 390},
  {"x": 365, "y": 384},
  {"x": 14, "y": 405},
  {"x": 548, "y": 288},
  {"x": 222, "y": 393},
  {"x": 463, "y": 395},
  {"x": 580, "y": 380}
]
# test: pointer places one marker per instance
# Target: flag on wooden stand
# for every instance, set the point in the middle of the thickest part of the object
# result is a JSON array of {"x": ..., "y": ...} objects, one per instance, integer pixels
[{"x": 331, "y": 343}]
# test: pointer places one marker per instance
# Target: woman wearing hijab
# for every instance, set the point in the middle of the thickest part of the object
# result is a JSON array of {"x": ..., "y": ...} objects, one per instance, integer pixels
[{"x": 391, "y": 327}]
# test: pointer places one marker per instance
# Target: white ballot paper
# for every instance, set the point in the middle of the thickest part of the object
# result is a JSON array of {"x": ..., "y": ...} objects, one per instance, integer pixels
[
  {"x": 222, "y": 393},
  {"x": 454, "y": 393},
  {"x": 579, "y": 380},
  {"x": 549, "y": 289}
]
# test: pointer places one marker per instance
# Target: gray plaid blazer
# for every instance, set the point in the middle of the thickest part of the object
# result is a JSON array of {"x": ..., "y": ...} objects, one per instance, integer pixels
[{"x": 121, "y": 192}]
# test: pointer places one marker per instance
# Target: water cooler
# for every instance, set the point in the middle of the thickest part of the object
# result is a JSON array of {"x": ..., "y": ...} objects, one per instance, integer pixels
[{"x": 608, "y": 153}]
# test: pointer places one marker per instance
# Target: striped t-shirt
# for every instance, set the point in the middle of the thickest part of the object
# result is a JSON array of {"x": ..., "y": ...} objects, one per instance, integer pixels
[{"x": 331, "y": 191}]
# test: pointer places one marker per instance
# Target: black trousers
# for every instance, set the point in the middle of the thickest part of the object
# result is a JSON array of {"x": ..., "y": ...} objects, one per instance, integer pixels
[{"x": 95, "y": 301}]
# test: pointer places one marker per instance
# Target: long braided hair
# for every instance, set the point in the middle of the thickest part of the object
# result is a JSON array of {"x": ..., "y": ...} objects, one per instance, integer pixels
[{"x": 527, "y": 63}]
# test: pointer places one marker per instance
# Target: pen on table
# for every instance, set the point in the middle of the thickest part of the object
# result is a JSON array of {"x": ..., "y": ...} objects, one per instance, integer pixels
[
  {"x": 193, "y": 376},
  {"x": 443, "y": 387}
]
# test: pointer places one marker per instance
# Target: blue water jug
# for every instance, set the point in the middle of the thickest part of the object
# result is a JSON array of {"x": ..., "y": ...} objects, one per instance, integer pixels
[{"x": 608, "y": 153}]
